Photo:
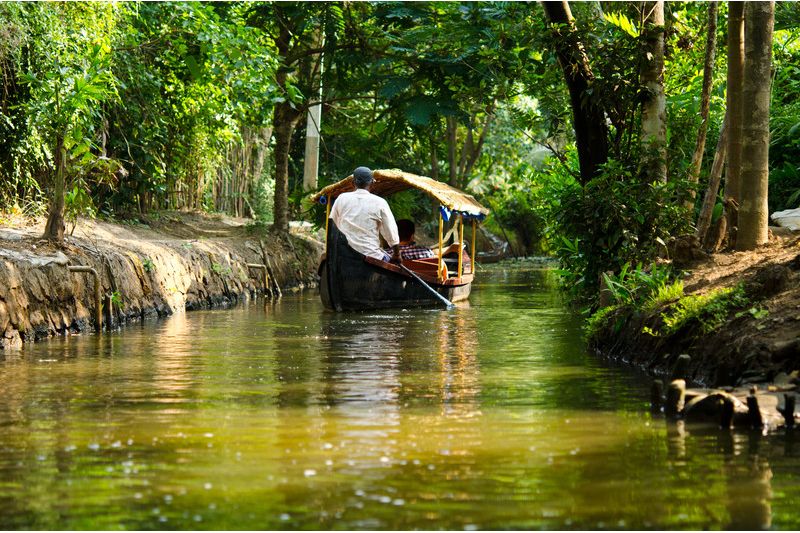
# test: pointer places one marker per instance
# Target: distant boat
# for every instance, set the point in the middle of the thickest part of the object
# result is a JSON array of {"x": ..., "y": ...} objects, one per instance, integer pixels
[{"x": 350, "y": 281}]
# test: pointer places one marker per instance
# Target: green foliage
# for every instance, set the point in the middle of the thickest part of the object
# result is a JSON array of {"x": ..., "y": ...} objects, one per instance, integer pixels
[
  {"x": 116, "y": 298},
  {"x": 784, "y": 150},
  {"x": 664, "y": 294},
  {"x": 598, "y": 321},
  {"x": 614, "y": 220},
  {"x": 707, "y": 311},
  {"x": 148, "y": 265},
  {"x": 633, "y": 290},
  {"x": 634, "y": 286}
]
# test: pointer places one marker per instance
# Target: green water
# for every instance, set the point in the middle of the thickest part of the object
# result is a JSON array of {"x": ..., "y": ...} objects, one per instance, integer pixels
[{"x": 491, "y": 416}]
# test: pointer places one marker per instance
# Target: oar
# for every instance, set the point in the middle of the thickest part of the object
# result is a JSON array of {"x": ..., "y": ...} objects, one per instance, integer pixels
[{"x": 447, "y": 303}]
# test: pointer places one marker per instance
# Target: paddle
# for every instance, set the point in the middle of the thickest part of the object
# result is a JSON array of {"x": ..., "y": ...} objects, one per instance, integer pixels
[{"x": 447, "y": 303}]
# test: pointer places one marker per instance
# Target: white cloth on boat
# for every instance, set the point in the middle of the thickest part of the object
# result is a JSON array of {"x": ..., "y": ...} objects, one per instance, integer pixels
[{"x": 362, "y": 216}]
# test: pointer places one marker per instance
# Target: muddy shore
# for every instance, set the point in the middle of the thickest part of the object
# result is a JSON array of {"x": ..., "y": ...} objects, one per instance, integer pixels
[
  {"x": 150, "y": 267},
  {"x": 757, "y": 342}
]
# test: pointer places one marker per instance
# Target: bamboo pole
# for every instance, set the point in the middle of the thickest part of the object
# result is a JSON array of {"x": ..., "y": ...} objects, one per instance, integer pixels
[
  {"x": 441, "y": 260},
  {"x": 460, "y": 246},
  {"x": 473, "y": 250},
  {"x": 327, "y": 217}
]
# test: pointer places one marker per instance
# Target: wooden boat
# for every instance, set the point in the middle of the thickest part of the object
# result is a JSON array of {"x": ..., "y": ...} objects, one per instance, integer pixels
[{"x": 350, "y": 281}]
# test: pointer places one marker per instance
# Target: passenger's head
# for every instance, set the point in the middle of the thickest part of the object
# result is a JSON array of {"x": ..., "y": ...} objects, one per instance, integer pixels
[
  {"x": 405, "y": 229},
  {"x": 362, "y": 177}
]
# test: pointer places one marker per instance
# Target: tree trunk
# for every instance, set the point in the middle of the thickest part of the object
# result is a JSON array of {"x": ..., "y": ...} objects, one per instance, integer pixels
[
  {"x": 654, "y": 110},
  {"x": 753, "y": 212},
  {"x": 284, "y": 121},
  {"x": 452, "y": 127},
  {"x": 710, "y": 199},
  {"x": 705, "y": 101},
  {"x": 434, "y": 160},
  {"x": 734, "y": 111},
  {"x": 55, "y": 227},
  {"x": 589, "y": 120}
]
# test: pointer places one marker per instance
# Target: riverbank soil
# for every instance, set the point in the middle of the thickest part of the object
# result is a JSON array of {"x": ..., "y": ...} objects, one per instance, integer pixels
[
  {"x": 154, "y": 265},
  {"x": 758, "y": 339}
]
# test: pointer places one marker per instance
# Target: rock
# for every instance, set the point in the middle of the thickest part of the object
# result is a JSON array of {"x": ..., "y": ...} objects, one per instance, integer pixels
[
  {"x": 768, "y": 281},
  {"x": 789, "y": 218},
  {"x": 685, "y": 249},
  {"x": 783, "y": 379}
]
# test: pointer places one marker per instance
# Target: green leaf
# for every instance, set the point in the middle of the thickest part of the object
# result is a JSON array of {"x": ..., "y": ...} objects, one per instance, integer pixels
[{"x": 622, "y": 22}]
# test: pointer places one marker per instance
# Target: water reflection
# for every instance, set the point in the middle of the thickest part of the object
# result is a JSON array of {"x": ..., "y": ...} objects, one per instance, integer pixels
[{"x": 285, "y": 416}]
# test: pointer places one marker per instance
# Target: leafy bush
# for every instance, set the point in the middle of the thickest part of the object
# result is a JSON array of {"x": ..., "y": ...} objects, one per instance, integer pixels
[{"x": 615, "y": 219}]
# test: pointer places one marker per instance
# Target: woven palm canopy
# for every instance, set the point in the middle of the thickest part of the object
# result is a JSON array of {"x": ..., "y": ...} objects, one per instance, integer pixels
[{"x": 389, "y": 182}]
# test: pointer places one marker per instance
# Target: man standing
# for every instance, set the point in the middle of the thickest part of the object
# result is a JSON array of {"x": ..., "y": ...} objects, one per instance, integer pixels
[{"x": 363, "y": 216}]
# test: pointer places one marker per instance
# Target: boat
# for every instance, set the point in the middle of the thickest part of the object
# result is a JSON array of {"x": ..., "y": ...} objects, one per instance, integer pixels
[{"x": 350, "y": 281}]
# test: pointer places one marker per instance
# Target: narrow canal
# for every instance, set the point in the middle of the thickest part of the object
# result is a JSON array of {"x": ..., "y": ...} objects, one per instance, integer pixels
[{"x": 491, "y": 416}]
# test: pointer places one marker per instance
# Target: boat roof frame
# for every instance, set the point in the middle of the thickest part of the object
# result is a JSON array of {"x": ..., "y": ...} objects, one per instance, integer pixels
[{"x": 390, "y": 181}]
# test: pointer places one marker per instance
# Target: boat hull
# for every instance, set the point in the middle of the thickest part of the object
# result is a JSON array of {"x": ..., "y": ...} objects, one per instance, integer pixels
[{"x": 349, "y": 282}]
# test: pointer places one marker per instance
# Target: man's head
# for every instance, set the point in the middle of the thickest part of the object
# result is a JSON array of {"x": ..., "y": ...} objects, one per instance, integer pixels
[
  {"x": 362, "y": 177},
  {"x": 405, "y": 230}
]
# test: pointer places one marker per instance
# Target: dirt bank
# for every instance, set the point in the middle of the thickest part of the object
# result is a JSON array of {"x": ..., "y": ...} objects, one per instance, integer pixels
[
  {"x": 754, "y": 338},
  {"x": 154, "y": 266}
]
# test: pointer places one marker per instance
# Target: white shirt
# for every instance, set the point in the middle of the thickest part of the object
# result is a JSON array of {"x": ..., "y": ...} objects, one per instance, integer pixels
[{"x": 361, "y": 216}]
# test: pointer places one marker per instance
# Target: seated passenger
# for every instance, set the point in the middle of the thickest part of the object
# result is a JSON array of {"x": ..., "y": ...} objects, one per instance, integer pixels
[{"x": 408, "y": 248}]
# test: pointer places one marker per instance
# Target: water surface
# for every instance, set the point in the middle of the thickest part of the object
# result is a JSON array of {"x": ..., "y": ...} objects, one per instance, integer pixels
[{"x": 286, "y": 416}]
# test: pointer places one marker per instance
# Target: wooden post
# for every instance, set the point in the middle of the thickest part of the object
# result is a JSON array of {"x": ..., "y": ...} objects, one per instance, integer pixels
[
  {"x": 656, "y": 395},
  {"x": 98, "y": 307},
  {"x": 753, "y": 412},
  {"x": 726, "y": 413},
  {"x": 109, "y": 308},
  {"x": 681, "y": 368},
  {"x": 676, "y": 395},
  {"x": 788, "y": 410}
]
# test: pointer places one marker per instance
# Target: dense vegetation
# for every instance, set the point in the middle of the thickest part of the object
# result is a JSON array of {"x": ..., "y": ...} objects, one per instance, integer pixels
[{"x": 133, "y": 107}]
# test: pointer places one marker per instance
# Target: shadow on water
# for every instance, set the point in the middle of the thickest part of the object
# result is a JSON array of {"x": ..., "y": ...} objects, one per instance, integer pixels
[{"x": 286, "y": 416}]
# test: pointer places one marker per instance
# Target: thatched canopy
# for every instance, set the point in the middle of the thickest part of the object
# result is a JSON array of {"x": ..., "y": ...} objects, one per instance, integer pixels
[{"x": 388, "y": 182}]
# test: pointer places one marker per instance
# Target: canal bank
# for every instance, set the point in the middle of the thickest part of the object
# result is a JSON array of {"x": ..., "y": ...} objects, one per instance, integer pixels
[
  {"x": 153, "y": 266},
  {"x": 737, "y": 317}
]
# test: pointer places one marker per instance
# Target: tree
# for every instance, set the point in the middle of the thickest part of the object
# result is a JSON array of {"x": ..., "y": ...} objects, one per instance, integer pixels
[
  {"x": 66, "y": 93},
  {"x": 753, "y": 210},
  {"x": 295, "y": 29},
  {"x": 734, "y": 111},
  {"x": 589, "y": 120},
  {"x": 654, "y": 112},
  {"x": 705, "y": 100}
]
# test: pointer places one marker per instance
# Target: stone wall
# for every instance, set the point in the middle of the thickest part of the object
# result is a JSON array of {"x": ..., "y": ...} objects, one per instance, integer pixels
[{"x": 40, "y": 297}]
